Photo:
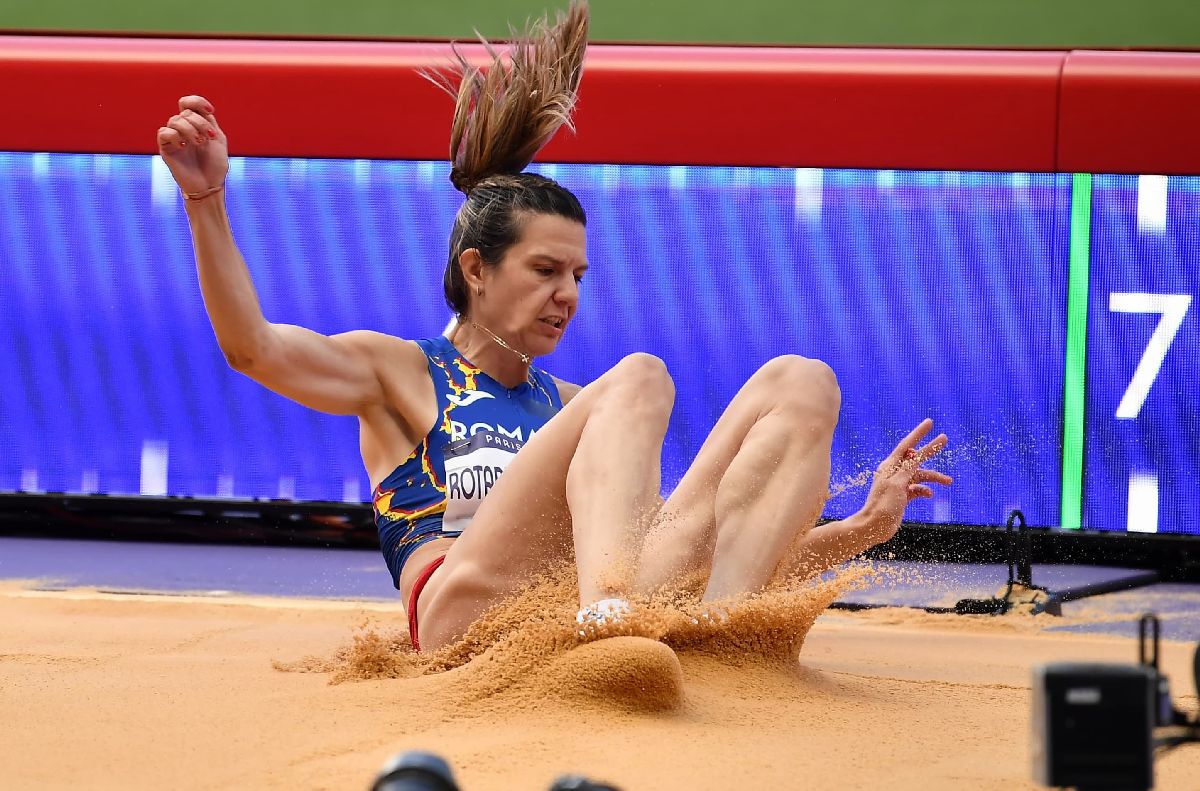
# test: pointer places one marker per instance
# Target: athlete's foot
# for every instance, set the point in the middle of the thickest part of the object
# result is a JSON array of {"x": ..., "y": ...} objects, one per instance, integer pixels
[
  {"x": 601, "y": 616},
  {"x": 714, "y": 617}
]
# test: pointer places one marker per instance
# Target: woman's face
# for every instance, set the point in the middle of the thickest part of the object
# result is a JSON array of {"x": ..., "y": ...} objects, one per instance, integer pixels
[{"x": 531, "y": 296}]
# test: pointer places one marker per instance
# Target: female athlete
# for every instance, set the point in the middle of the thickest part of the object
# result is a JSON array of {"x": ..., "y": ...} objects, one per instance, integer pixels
[{"x": 470, "y": 502}]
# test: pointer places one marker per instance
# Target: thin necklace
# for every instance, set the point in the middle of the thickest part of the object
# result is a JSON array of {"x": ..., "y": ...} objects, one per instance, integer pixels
[{"x": 525, "y": 358}]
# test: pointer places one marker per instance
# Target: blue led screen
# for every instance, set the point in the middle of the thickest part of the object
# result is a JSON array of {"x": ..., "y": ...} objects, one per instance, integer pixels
[
  {"x": 930, "y": 294},
  {"x": 1142, "y": 438}
]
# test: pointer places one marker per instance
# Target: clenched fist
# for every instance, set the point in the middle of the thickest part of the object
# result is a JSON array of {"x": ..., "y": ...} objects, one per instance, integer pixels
[{"x": 194, "y": 147}]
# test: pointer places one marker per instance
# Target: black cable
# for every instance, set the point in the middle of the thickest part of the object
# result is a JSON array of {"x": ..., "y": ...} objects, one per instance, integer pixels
[
  {"x": 1166, "y": 744},
  {"x": 1148, "y": 622},
  {"x": 1011, "y": 535}
]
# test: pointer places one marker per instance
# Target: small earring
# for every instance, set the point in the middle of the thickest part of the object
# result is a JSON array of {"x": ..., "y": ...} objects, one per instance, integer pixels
[{"x": 479, "y": 291}]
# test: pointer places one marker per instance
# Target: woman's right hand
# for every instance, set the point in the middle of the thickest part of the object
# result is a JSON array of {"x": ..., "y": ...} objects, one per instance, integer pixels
[{"x": 194, "y": 147}]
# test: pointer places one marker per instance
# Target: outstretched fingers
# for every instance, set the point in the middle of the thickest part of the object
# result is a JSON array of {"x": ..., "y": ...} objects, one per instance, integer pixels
[
  {"x": 922, "y": 475},
  {"x": 933, "y": 448},
  {"x": 916, "y": 491},
  {"x": 907, "y": 459},
  {"x": 907, "y": 445},
  {"x": 919, "y": 476}
]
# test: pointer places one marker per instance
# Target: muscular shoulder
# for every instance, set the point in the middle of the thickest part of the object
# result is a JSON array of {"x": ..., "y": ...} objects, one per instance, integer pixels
[
  {"x": 382, "y": 349},
  {"x": 400, "y": 367},
  {"x": 566, "y": 390}
]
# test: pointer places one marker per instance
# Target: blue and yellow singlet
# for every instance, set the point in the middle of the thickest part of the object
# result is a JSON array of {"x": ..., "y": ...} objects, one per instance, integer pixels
[{"x": 481, "y": 425}]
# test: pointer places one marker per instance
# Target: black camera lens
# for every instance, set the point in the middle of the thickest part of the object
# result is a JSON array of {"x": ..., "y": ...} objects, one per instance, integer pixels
[
  {"x": 579, "y": 783},
  {"x": 415, "y": 771}
]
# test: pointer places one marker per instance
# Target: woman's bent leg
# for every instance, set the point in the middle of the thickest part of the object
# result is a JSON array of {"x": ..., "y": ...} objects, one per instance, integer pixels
[
  {"x": 761, "y": 479},
  {"x": 589, "y": 480}
]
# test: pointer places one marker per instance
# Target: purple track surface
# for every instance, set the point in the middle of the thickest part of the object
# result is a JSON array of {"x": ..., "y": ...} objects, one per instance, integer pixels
[
  {"x": 197, "y": 568},
  {"x": 125, "y": 566}
]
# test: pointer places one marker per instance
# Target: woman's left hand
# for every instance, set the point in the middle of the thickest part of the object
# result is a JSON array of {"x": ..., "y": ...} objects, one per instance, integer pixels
[{"x": 900, "y": 479}]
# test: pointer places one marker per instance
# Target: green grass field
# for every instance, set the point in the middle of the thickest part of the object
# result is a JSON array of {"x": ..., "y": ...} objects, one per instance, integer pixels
[{"x": 974, "y": 23}]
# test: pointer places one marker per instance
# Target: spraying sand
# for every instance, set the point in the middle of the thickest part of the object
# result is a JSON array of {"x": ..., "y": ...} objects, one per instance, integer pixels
[{"x": 112, "y": 691}]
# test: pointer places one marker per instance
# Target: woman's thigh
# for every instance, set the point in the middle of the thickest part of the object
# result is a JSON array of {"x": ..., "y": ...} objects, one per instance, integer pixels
[
  {"x": 683, "y": 538},
  {"x": 523, "y": 526},
  {"x": 681, "y": 541}
]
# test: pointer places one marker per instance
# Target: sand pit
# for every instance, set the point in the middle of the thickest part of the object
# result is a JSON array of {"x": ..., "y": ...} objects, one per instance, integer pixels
[{"x": 111, "y": 691}]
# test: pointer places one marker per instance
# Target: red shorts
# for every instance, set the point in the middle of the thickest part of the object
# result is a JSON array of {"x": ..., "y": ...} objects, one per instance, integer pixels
[{"x": 413, "y": 595}]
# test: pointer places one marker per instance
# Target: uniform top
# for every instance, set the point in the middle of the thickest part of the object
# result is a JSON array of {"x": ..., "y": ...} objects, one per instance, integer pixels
[{"x": 481, "y": 425}]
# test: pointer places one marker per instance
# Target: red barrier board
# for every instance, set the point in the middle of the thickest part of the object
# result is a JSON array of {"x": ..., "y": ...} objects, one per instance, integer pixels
[
  {"x": 1130, "y": 112},
  {"x": 786, "y": 107}
]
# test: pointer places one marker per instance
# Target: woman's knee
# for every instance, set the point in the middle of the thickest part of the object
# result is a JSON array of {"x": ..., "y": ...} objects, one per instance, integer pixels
[
  {"x": 802, "y": 387},
  {"x": 643, "y": 379}
]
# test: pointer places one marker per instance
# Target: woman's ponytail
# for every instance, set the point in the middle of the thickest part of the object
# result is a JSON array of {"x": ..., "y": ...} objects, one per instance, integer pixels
[{"x": 505, "y": 114}]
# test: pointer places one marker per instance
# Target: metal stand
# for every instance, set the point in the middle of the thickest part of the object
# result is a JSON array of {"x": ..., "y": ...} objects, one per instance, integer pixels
[{"x": 1021, "y": 591}]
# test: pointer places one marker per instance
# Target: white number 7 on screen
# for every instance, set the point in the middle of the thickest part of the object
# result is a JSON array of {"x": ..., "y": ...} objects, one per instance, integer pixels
[{"x": 1173, "y": 308}]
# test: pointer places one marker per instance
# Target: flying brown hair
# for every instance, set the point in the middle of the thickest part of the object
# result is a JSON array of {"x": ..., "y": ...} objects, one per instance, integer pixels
[{"x": 505, "y": 114}]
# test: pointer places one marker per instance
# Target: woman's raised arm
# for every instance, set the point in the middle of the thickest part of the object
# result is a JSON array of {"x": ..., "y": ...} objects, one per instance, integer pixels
[{"x": 336, "y": 374}]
